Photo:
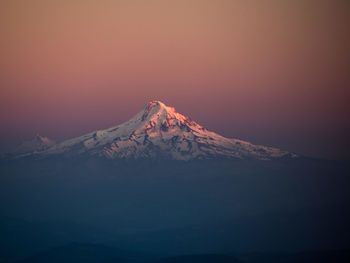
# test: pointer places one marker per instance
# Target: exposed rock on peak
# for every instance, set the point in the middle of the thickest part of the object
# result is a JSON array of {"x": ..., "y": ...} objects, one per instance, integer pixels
[{"x": 160, "y": 131}]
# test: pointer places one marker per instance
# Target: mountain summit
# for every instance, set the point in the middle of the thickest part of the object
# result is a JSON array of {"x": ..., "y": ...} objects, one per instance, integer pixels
[{"x": 159, "y": 131}]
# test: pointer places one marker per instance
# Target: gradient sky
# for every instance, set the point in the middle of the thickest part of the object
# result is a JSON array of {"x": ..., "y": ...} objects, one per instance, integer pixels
[{"x": 271, "y": 72}]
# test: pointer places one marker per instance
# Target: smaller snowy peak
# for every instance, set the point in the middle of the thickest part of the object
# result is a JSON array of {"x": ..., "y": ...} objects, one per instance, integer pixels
[
  {"x": 43, "y": 140},
  {"x": 36, "y": 144}
]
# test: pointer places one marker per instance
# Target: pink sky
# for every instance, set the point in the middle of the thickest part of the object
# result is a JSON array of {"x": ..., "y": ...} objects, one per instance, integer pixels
[{"x": 272, "y": 72}]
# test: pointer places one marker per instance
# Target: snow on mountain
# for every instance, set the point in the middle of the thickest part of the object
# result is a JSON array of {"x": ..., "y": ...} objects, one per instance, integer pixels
[{"x": 160, "y": 131}]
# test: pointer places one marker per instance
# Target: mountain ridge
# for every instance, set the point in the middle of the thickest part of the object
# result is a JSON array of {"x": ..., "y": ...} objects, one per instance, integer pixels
[{"x": 160, "y": 131}]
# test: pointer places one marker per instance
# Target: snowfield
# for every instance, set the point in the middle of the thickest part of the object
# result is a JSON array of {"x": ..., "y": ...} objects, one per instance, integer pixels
[{"x": 160, "y": 131}]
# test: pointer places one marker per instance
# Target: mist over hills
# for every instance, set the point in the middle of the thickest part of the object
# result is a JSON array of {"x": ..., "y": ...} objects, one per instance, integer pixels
[{"x": 165, "y": 189}]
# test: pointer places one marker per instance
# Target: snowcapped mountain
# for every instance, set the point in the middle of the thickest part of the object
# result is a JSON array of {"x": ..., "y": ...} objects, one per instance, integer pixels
[
  {"x": 160, "y": 131},
  {"x": 37, "y": 144}
]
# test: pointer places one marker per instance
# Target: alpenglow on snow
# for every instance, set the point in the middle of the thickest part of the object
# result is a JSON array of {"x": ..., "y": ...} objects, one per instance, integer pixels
[{"x": 158, "y": 131}]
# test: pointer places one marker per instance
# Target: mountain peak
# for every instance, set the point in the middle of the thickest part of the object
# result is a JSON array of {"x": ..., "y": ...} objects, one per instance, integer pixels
[
  {"x": 157, "y": 115},
  {"x": 156, "y": 107},
  {"x": 159, "y": 131},
  {"x": 155, "y": 103}
]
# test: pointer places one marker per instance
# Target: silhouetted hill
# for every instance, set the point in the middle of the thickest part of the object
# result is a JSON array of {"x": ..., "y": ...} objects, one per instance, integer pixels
[
  {"x": 76, "y": 253},
  {"x": 204, "y": 258},
  {"x": 320, "y": 256},
  {"x": 20, "y": 238}
]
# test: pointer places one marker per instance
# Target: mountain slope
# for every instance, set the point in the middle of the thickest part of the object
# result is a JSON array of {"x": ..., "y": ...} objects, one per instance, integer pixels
[{"x": 160, "y": 131}]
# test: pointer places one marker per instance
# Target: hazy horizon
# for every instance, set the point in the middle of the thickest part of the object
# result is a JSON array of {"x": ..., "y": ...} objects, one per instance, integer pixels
[{"x": 270, "y": 72}]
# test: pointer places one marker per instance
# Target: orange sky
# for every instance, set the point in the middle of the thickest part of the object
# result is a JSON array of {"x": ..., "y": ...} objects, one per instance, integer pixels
[{"x": 273, "y": 72}]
